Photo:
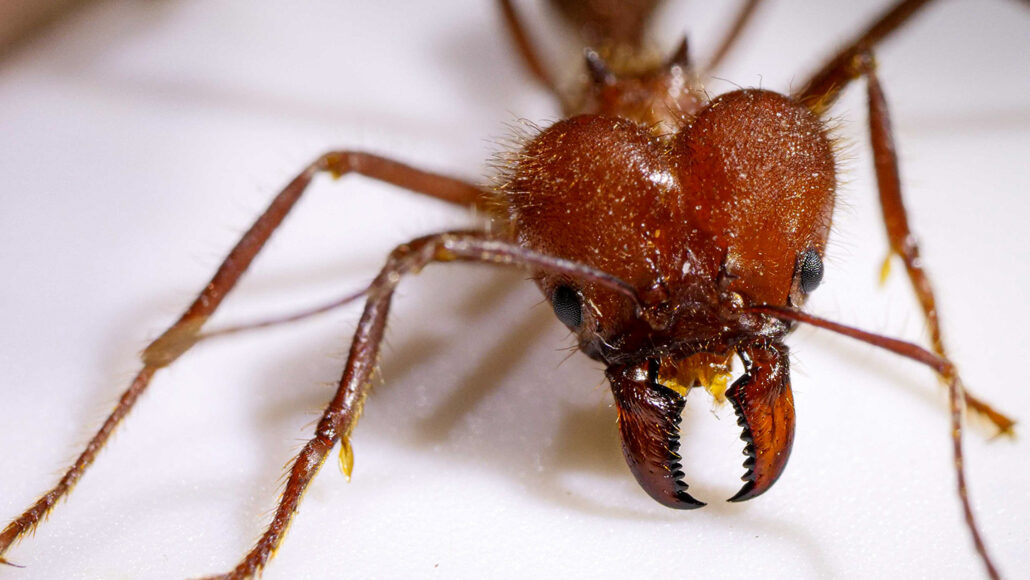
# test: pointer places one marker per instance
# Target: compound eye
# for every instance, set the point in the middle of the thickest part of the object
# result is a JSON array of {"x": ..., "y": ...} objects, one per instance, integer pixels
[
  {"x": 568, "y": 306},
  {"x": 811, "y": 271}
]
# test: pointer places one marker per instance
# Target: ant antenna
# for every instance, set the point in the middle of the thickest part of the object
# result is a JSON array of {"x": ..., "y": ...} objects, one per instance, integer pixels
[{"x": 943, "y": 367}]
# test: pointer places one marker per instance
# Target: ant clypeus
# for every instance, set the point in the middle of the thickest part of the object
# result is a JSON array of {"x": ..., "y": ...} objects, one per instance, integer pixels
[{"x": 102, "y": 534}]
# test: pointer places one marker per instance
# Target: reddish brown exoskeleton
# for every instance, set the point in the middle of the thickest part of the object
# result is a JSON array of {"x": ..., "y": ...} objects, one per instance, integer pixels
[{"x": 671, "y": 231}]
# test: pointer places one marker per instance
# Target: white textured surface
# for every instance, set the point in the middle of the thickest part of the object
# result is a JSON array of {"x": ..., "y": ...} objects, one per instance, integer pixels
[{"x": 139, "y": 139}]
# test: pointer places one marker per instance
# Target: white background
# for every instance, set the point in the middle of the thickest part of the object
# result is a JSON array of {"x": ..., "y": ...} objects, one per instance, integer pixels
[{"x": 140, "y": 138}]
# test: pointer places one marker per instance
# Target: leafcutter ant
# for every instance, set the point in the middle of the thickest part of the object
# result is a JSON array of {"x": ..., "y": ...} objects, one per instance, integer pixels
[{"x": 840, "y": 388}]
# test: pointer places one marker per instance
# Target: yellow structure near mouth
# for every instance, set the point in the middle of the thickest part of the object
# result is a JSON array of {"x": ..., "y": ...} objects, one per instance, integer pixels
[{"x": 709, "y": 370}]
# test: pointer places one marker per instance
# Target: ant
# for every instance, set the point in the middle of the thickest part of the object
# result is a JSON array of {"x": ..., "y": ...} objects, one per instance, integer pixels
[{"x": 795, "y": 459}]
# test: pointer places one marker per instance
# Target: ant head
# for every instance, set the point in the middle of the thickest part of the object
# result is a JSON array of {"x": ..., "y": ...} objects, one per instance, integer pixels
[
  {"x": 762, "y": 169},
  {"x": 601, "y": 191},
  {"x": 732, "y": 210}
]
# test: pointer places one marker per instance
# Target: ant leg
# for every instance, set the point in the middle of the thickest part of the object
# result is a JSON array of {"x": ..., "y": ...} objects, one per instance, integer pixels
[
  {"x": 902, "y": 241},
  {"x": 823, "y": 88},
  {"x": 731, "y": 38},
  {"x": 186, "y": 331},
  {"x": 818, "y": 94},
  {"x": 526, "y": 47},
  {"x": 343, "y": 411},
  {"x": 601, "y": 25}
]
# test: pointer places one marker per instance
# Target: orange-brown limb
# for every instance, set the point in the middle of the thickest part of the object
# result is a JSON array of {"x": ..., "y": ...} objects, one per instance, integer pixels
[
  {"x": 526, "y": 47},
  {"x": 852, "y": 62},
  {"x": 823, "y": 88},
  {"x": 182, "y": 335},
  {"x": 747, "y": 11},
  {"x": 903, "y": 242},
  {"x": 343, "y": 411}
]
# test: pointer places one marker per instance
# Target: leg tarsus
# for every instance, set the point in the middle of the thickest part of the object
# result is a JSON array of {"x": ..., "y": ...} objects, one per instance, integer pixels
[
  {"x": 31, "y": 518},
  {"x": 11, "y": 564},
  {"x": 956, "y": 393}
]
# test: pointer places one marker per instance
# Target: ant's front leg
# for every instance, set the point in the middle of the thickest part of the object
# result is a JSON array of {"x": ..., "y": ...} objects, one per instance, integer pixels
[
  {"x": 853, "y": 61},
  {"x": 902, "y": 241},
  {"x": 343, "y": 411},
  {"x": 182, "y": 335},
  {"x": 825, "y": 86}
]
